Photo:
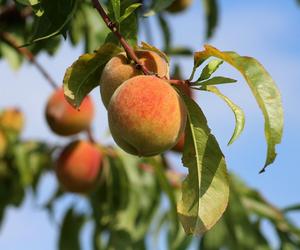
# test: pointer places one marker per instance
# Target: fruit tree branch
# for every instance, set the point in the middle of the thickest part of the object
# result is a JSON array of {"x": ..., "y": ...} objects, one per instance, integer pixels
[
  {"x": 113, "y": 27},
  {"x": 10, "y": 40},
  {"x": 129, "y": 50}
]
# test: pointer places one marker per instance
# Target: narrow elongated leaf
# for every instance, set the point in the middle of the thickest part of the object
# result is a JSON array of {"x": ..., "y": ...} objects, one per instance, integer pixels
[
  {"x": 209, "y": 69},
  {"x": 205, "y": 190},
  {"x": 84, "y": 74},
  {"x": 264, "y": 90},
  {"x": 238, "y": 112},
  {"x": 71, "y": 227},
  {"x": 165, "y": 31},
  {"x": 129, "y": 11},
  {"x": 214, "y": 81},
  {"x": 211, "y": 11}
]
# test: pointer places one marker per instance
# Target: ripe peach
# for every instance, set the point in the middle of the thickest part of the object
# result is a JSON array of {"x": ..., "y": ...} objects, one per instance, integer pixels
[
  {"x": 179, "y": 5},
  {"x": 12, "y": 119},
  {"x": 146, "y": 116},
  {"x": 65, "y": 120},
  {"x": 2, "y": 144},
  {"x": 120, "y": 68},
  {"x": 78, "y": 166}
]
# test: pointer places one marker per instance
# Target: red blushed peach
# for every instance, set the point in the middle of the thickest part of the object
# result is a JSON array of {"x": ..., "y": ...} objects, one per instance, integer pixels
[
  {"x": 120, "y": 68},
  {"x": 65, "y": 120},
  {"x": 78, "y": 166},
  {"x": 146, "y": 116}
]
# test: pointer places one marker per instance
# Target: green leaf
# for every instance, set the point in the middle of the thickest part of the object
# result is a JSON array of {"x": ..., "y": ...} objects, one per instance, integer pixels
[
  {"x": 158, "y": 6},
  {"x": 70, "y": 231},
  {"x": 263, "y": 88},
  {"x": 84, "y": 74},
  {"x": 11, "y": 55},
  {"x": 209, "y": 69},
  {"x": 116, "y": 5},
  {"x": 238, "y": 112},
  {"x": 147, "y": 46},
  {"x": 166, "y": 32},
  {"x": 211, "y": 11},
  {"x": 214, "y": 81},
  {"x": 205, "y": 190},
  {"x": 129, "y": 11},
  {"x": 56, "y": 15}
]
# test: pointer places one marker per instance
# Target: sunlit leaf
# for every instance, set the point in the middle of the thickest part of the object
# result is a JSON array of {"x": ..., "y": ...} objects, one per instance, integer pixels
[
  {"x": 129, "y": 11},
  {"x": 214, "y": 81},
  {"x": 205, "y": 190},
  {"x": 84, "y": 74},
  {"x": 209, "y": 69},
  {"x": 238, "y": 112},
  {"x": 263, "y": 88}
]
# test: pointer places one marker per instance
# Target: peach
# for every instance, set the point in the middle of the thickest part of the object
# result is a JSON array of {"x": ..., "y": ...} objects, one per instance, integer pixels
[
  {"x": 179, "y": 5},
  {"x": 65, "y": 120},
  {"x": 120, "y": 68},
  {"x": 78, "y": 166},
  {"x": 146, "y": 116},
  {"x": 12, "y": 119},
  {"x": 2, "y": 144}
]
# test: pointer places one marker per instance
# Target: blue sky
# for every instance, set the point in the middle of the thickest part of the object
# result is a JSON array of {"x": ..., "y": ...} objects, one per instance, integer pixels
[{"x": 266, "y": 30}]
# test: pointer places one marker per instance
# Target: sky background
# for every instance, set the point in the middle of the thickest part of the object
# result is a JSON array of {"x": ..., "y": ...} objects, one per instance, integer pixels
[{"x": 264, "y": 29}]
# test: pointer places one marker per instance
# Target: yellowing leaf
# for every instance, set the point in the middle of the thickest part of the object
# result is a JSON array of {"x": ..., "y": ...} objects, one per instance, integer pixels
[
  {"x": 263, "y": 88},
  {"x": 238, "y": 112}
]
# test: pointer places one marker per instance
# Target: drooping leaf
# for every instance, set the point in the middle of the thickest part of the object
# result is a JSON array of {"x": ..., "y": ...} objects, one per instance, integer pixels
[
  {"x": 84, "y": 74},
  {"x": 238, "y": 112},
  {"x": 211, "y": 12},
  {"x": 70, "y": 231},
  {"x": 263, "y": 88},
  {"x": 205, "y": 190},
  {"x": 56, "y": 15},
  {"x": 166, "y": 32}
]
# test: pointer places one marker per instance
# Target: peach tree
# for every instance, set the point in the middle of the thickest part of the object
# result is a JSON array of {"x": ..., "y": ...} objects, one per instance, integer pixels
[{"x": 132, "y": 192}]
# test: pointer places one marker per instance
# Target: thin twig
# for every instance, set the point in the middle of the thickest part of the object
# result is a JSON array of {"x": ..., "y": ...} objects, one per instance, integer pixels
[
  {"x": 112, "y": 26},
  {"x": 10, "y": 40},
  {"x": 90, "y": 135},
  {"x": 129, "y": 50}
]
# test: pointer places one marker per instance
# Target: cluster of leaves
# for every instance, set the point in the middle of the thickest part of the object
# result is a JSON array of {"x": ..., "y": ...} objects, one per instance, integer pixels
[{"x": 134, "y": 205}]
